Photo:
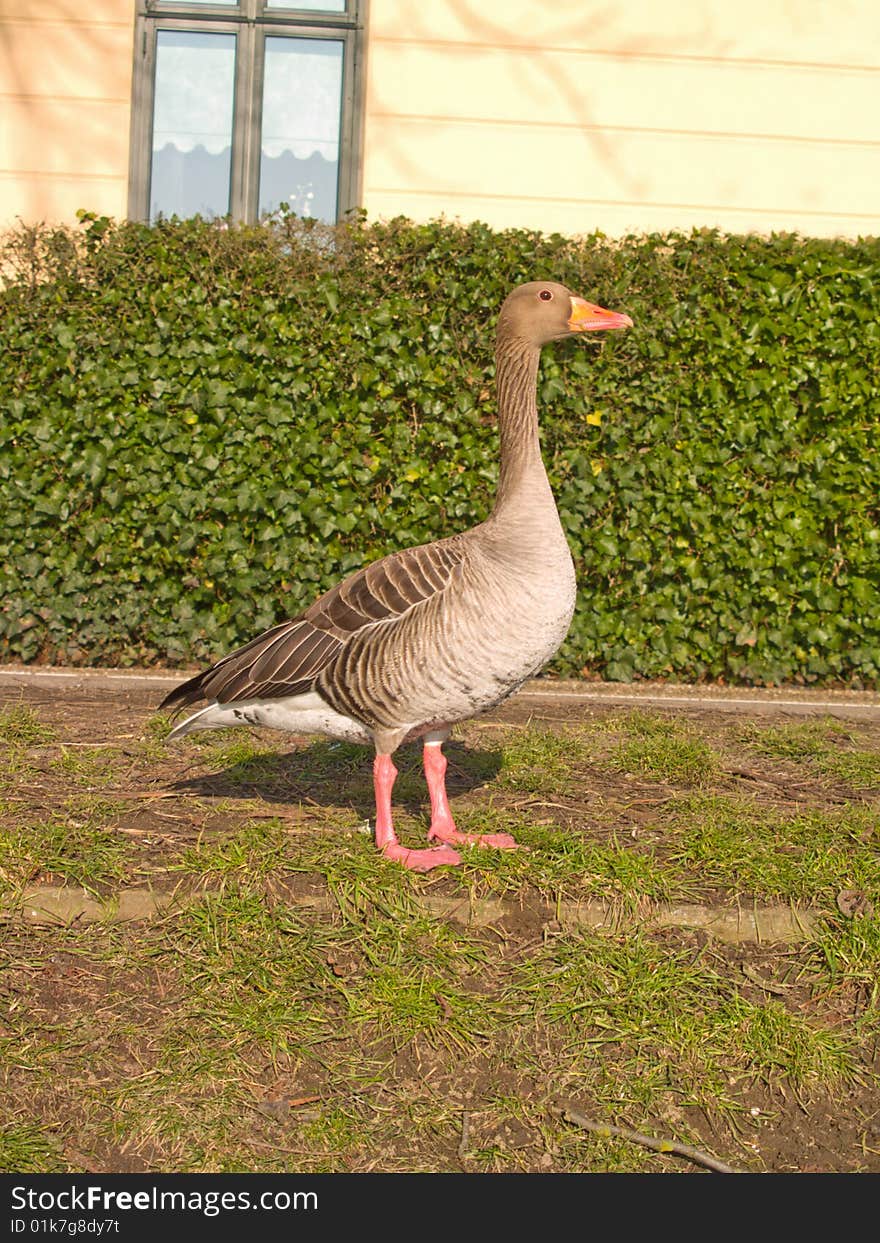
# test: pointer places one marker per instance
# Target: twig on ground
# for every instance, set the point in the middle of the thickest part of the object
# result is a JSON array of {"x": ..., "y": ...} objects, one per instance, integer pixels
[
  {"x": 778, "y": 990},
  {"x": 748, "y": 774},
  {"x": 647, "y": 802},
  {"x": 657, "y": 1145},
  {"x": 141, "y": 796},
  {"x": 533, "y": 802},
  {"x": 465, "y": 1136}
]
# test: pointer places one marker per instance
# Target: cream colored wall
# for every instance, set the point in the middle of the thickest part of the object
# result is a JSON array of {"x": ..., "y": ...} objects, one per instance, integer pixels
[
  {"x": 626, "y": 115},
  {"x": 65, "y": 104},
  {"x": 557, "y": 114}
]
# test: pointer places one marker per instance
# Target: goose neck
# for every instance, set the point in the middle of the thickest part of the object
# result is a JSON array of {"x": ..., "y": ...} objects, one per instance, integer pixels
[{"x": 521, "y": 470}]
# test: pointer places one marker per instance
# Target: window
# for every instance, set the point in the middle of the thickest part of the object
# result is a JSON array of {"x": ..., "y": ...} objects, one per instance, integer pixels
[{"x": 241, "y": 105}]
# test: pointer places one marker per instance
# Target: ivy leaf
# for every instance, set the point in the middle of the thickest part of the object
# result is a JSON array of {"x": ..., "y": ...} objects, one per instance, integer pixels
[{"x": 268, "y": 408}]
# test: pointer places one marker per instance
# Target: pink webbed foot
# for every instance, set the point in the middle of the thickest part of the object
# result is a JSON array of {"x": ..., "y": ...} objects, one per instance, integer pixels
[
  {"x": 495, "y": 841},
  {"x": 442, "y": 824},
  {"x": 422, "y": 860}
]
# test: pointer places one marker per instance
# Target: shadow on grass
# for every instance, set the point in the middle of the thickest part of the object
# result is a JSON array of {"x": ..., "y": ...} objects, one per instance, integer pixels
[{"x": 337, "y": 774}]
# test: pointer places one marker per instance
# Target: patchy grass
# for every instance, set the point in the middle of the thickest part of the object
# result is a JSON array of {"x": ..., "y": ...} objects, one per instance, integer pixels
[
  {"x": 90, "y": 766},
  {"x": 559, "y": 863},
  {"x": 248, "y": 855},
  {"x": 860, "y": 770},
  {"x": 845, "y": 960},
  {"x": 658, "y": 747},
  {"x": 20, "y": 725},
  {"x": 25, "y": 1148},
  {"x": 300, "y": 1009},
  {"x": 249, "y": 971},
  {"x": 794, "y": 740},
  {"x": 657, "y": 1013},
  {"x": 825, "y": 745},
  {"x": 419, "y": 979},
  {"x": 540, "y": 761},
  {"x": 758, "y": 853},
  {"x": 78, "y": 845}
]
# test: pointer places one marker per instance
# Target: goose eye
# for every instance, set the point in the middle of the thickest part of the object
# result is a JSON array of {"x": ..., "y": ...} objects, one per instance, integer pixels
[{"x": 545, "y": 295}]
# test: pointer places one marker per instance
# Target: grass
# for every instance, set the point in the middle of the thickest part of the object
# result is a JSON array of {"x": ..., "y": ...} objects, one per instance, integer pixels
[
  {"x": 248, "y": 971},
  {"x": 860, "y": 770},
  {"x": 658, "y": 747},
  {"x": 173, "y": 1041},
  {"x": 559, "y": 863},
  {"x": 824, "y": 745},
  {"x": 26, "y": 1149},
  {"x": 539, "y": 761},
  {"x": 248, "y": 855},
  {"x": 20, "y": 725},
  {"x": 78, "y": 846},
  {"x": 763, "y": 854},
  {"x": 845, "y": 960},
  {"x": 88, "y": 766},
  {"x": 656, "y": 1013}
]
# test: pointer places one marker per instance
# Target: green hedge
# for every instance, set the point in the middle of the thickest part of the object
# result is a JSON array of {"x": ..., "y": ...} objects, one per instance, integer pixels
[{"x": 205, "y": 426}]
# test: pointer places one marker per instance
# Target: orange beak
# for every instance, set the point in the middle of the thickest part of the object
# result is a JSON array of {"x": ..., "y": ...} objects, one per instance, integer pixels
[{"x": 585, "y": 317}]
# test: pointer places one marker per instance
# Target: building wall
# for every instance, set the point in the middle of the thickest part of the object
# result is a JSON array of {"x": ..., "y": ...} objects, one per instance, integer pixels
[
  {"x": 572, "y": 115},
  {"x": 556, "y": 114},
  {"x": 65, "y": 107}
]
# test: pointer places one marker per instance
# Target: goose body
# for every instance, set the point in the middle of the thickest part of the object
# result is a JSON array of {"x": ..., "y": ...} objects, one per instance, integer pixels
[
  {"x": 428, "y": 636},
  {"x": 375, "y": 676}
]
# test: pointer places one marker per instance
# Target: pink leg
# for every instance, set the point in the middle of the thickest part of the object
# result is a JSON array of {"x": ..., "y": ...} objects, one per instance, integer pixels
[
  {"x": 442, "y": 825},
  {"x": 384, "y": 774}
]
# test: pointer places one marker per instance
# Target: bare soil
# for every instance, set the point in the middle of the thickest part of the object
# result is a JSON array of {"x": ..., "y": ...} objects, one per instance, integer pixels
[{"x": 173, "y": 801}]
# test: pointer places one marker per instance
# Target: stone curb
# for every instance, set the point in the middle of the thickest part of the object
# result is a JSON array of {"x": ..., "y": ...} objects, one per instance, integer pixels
[{"x": 68, "y": 905}]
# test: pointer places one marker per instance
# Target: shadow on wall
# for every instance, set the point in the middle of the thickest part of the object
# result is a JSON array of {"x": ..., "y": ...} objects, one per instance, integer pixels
[
  {"x": 66, "y": 100},
  {"x": 544, "y": 80},
  {"x": 627, "y": 106}
]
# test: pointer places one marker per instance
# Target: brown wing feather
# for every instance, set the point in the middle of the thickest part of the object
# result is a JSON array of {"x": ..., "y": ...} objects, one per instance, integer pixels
[
  {"x": 282, "y": 661},
  {"x": 388, "y": 588},
  {"x": 287, "y": 659}
]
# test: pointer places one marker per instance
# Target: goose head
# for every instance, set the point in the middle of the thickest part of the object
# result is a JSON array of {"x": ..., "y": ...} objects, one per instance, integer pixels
[{"x": 543, "y": 311}]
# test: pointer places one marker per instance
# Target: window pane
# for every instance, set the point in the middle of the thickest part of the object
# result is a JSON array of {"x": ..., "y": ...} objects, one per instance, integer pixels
[
  {"x": 314, "y": 6},
  {"x": 192, "y": 124},
  {"x": 302, "y": 100}
]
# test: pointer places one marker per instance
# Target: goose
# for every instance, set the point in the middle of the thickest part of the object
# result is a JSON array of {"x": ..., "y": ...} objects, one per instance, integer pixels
[{"x": 429, "y": 636}]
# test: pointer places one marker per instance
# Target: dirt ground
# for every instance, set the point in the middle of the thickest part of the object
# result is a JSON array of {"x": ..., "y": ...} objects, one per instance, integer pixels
[{"x": 170, "y": 797}]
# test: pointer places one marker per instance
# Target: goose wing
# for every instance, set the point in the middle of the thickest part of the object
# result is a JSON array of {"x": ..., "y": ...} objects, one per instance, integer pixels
[{"x": 287, "y": 659}]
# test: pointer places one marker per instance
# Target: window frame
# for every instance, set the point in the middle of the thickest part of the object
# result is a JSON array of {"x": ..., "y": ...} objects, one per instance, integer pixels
[{"x": 253, "y": 23}]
